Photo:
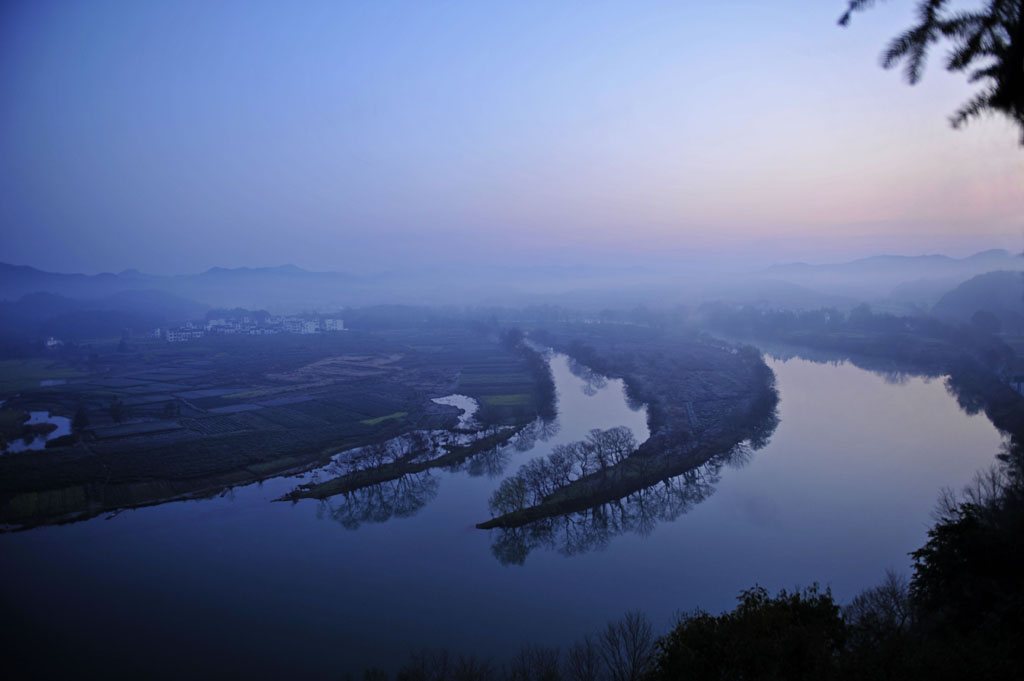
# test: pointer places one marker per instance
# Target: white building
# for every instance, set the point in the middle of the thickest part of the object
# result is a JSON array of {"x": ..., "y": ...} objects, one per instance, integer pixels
[{"x": 184, "y": 333}]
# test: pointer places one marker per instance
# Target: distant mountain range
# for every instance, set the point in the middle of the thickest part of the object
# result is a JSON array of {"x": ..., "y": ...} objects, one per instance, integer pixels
[
  {"x": 905, "y": 264},
  {"x": 912, "y": 283},
  {"x": 911, "y": 279},
  {"x": 285, "y": 286}
]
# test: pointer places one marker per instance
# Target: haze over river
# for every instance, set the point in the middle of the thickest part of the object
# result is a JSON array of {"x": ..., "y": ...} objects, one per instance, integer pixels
[{"x": 238, "y": 585}]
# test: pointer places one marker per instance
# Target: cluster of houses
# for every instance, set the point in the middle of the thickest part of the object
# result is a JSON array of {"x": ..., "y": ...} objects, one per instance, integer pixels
[{"x": 251, "y": 326}]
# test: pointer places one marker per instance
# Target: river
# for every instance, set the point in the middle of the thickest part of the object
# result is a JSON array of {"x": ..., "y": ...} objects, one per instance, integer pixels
[{"x": 240, "y": 586}]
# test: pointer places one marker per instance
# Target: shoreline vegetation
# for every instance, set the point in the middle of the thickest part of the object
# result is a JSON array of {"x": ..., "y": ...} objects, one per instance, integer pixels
[
  {"x": 391, "y": 465},
  {"x": 980, "y": 366},
  {"x": 159, "y": 422},
  {"x": 707, "y": 402},
  {"x": 415, "y": 453},
  {"x": 703, "y": 397}
]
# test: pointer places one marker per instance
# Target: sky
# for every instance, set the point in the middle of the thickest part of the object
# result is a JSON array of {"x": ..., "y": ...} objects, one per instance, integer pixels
[{"x": 176, "y": 136}]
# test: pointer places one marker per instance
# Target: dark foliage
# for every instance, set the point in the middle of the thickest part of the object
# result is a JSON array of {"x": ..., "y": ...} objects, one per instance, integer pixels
[
  {"x": 792, "y": 636},
  {"x": 987, "y": 45}
]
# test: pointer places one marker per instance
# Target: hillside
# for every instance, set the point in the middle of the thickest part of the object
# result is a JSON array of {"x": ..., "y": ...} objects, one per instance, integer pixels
[
  {"x": 1000, "y": 293},
  {"x": 884, "y": 275}
]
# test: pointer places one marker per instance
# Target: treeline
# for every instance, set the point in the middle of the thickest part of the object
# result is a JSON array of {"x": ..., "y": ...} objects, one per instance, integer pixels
[
  {"x": 924, "y": 342},
  {"x": 958, "y": 617},
  {"x": 977, "y": 389},
  {"x": 639, "y": 512},
  {"x": 971, "y": 355},
  {"x": 621, "y": 651},
  {"x": 539, "y": 478}
]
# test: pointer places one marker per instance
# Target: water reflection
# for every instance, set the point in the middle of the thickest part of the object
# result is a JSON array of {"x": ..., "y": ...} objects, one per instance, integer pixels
[
  {"x": 976, "y": 388},
  {"x": 396, "y": 478},
  {"x": 637, "y": 512},
  {"x": 592, "y": 381},
  {"x": 888, "y": 451},
  {"x": 893, "y": 372},
  {"x": 586, "y": 492},
  {"x": 399, "y": 498},
  {"x": 489, "y": 463}
]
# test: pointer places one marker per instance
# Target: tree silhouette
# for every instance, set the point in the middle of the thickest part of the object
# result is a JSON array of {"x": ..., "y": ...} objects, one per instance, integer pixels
[
  {"x": 80, "y": 421},
  {"x": 987, "y": 44}
]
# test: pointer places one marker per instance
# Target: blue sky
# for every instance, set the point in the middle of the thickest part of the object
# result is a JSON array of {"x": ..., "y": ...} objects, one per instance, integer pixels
[{"x": 174, "y": 136}]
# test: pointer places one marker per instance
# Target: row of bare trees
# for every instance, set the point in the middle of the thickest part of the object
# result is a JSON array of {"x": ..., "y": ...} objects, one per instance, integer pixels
[
  {"x": 623, "y": 651},
  {"x": 540, "y": 477}
]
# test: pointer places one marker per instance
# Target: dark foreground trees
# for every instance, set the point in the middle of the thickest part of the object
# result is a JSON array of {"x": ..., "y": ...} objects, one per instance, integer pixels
[
  {"x": 622, "y": 651},
  {"x": 960, "y": 617},
  {"x": 794, "y": 636},
  {"x": 987, "y": 44}
]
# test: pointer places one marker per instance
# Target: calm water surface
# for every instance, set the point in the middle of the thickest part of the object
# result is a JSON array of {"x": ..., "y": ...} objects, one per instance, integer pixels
[
  {"x": 240, "y": 586},
  {"x": 35, "y": 417}
]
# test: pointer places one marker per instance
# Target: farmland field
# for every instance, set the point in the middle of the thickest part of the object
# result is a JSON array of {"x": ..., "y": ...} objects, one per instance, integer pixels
[{"x": 172, "y": 420}]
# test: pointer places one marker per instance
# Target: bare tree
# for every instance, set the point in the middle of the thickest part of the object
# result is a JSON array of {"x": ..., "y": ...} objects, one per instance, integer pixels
[
  {"x": 583, "y": 663},
  {"x": 535, "y": 663},
  {"x": 884, "y": 609},
  {"x": 427, "y": 665},
  {"x": 627, "y": 646}
]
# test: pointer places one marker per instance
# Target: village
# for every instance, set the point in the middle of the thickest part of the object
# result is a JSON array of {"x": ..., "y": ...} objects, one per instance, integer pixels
[{"x": 251, "y": 326}]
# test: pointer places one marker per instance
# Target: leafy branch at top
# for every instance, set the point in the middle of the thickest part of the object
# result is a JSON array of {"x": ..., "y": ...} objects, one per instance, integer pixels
[{"x": 987, "y": 45}]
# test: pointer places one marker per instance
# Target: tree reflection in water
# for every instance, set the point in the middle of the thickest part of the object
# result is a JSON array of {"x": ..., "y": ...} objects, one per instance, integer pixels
[
  {"x": 584, "y": 493},
  {"x": 400, "y": 498},
  {"x": 367, "y": 498},
  {"x": 592, "y": 381},
  {"x": 637, "y": 512}
]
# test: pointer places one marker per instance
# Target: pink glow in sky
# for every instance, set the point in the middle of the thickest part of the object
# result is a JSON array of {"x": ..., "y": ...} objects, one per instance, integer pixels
[{"x": 180, "y": 136}]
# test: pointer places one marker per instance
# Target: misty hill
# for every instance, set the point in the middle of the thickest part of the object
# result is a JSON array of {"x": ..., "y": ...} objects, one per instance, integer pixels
[
  {"x": 914, "y": 279},
  {"x": 923, "y": 293},
  {"x": 285, "y": 287},
  {"x": 19, "y": 280},
  {"x": 999, "y": 293}
]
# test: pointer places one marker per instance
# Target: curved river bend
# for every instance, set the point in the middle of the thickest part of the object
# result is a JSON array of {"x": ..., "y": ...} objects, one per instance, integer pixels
[{"x": 240, "y": 586}]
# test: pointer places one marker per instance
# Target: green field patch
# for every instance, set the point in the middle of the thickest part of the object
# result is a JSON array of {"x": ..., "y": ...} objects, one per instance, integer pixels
[
  {"x": 23, "y": 374},
  {"x": 514, "y": 400},
  {"x": 381, "y": 419}
]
